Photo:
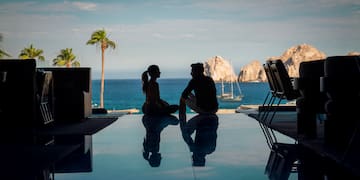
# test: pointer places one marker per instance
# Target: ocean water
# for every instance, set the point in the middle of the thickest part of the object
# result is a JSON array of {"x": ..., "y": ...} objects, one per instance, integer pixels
[{"x": 127, "y": 93}]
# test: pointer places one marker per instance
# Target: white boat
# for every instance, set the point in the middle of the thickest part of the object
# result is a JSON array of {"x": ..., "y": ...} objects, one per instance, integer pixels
[{"x": 231, "y": 96}]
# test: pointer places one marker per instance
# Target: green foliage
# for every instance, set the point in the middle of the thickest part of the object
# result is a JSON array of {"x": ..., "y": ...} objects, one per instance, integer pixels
[
  {"x": 2, "y": 52},
  {"x": 66, "y": 58},
  {"x": 32, "y": 53},
  {"x": 99, "y": 38}
]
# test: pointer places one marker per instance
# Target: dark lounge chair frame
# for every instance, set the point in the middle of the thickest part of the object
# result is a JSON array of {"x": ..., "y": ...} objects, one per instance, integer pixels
[
  {"x": 269, "y": 134},
  {"x": 281, "y": 88},
  {"x": 282, "y": 156}
]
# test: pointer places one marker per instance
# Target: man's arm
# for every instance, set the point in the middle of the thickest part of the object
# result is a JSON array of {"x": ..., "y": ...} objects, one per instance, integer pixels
[
  {"x": 182, "y": 104},
  {"x": 187, "y": 90},
  {"x": 182, "y": 111}
]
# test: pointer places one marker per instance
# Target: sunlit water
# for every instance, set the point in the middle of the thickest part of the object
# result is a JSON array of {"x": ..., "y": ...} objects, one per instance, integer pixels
[{"x": 127, "y": 93}]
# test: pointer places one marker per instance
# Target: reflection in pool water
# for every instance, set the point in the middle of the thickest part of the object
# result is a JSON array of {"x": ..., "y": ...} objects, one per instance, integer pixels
[
  {"x": 151, "y": 145},
  {"x": 240, "y": 153},
  {"x": 204, "y": 143}
]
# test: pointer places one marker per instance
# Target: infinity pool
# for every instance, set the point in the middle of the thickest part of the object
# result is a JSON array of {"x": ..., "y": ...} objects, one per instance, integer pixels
[{"x": 117, "y": 152}]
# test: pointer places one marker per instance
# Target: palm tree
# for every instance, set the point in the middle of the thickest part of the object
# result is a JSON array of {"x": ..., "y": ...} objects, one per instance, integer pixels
[
  {"x": 66, "y": 58},
  {"x": 32, "y": 53},
  {"x": 2, "y": 52},
  {"x": 99, "y": 38}
]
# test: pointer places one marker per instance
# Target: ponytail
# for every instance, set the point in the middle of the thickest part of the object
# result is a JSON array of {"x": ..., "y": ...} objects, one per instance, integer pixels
[
  {"x": 145, "y": 81},
  {"x": 152, "y": 70}
]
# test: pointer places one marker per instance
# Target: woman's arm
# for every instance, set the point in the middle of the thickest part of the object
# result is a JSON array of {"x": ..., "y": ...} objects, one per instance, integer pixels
[{"x": 152, "y": 94}]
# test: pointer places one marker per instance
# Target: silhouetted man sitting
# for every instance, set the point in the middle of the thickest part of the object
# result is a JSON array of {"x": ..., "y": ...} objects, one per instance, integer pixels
[{"x": 204, "y": 100}]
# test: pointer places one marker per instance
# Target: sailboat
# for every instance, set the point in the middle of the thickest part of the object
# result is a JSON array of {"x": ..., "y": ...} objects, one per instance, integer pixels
[{"x": 230, "y": 96}]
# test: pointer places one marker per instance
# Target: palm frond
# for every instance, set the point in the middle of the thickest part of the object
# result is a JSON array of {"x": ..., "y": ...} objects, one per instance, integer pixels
[
  {"x": 66, "y": 57},
  {"x": 110, "y": 43},
  {"x": 59, "y": 62},
  {"x": 41, "y": 58},
  {"x": 76, "y": 64},
  {"x": 32, "y": 53},
  {"x": 99, "y": 37},
  {"x": 92, "y": 41},
  {"x": 3, "y": 54}
]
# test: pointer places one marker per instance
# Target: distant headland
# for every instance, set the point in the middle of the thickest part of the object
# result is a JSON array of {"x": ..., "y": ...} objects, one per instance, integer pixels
[{"x": 221, "y": 69}]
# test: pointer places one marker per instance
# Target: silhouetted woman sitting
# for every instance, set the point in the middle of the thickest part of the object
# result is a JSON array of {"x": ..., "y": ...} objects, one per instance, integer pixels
[{"x": 153, "y": 104}]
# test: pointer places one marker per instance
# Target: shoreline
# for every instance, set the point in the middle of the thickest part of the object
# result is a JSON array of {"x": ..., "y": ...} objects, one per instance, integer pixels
[
  {"x": 124, "y": 111},
  {"x": 220, "y": 111}
]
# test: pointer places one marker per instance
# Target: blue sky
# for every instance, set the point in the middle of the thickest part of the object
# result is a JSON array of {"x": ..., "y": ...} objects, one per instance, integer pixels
[{"x": 176, "y": 33}]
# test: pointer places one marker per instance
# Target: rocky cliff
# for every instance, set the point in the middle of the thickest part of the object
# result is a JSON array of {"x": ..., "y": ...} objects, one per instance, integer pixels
[
  {"x": 353, "y": 53},
  {"x": 291, "y": 58},
  {"x": 252, "y": 72},
  {"x": 219, "y": 69},
  {"x": 297, "y": 54}
]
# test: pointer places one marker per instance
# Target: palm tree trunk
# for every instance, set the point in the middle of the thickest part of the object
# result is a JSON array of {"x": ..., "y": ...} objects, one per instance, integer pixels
[{"x": 102, "y": 78}]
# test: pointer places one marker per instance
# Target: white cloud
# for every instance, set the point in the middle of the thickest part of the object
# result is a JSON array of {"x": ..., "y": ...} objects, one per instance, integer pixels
[
  {"x": 76, "y": 29},
  {"x": 171, "y": 36},
  {"x": 37, "y": 7},
  {"x": 14, "y": 7},
  {"x": 87, "y": 6},
  {"x": 249, "y": 30}
]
